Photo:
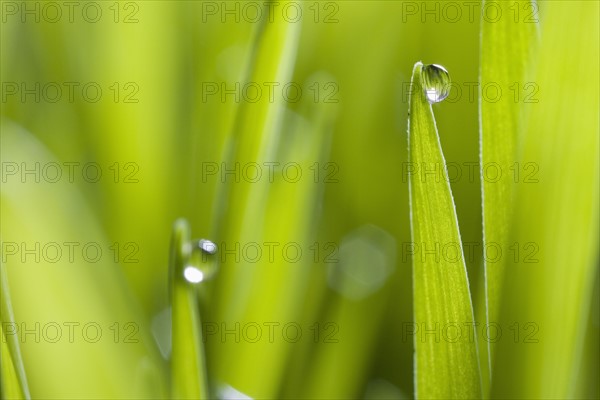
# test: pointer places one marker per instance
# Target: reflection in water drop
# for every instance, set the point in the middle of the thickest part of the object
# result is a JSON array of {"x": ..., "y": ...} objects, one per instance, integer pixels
[
  {"x": 436, "y": 83},
  {"x": 367, "y": 257},
  {"x": 193, "y": 274}
]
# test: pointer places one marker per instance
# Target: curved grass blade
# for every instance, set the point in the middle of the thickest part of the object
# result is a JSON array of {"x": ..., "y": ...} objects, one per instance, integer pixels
[
  {"x": 188, "y": 366},
  {"x": 506, "y": 45},
  {"x": 444, "y": 368},
  {"x": 12, "y": 372}
]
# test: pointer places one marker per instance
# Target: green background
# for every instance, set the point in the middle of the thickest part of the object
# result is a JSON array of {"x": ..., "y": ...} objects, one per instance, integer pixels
[{"x": 171, "y": 132}]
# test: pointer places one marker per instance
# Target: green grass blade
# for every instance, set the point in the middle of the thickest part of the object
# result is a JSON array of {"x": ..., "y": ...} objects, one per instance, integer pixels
[
  {"x": 556, "y": 215},
  {"x": 11, "y": 387},
  {"x": 251, "y": 217},
  {"x": 188, "y": 366},
  {"x": 506, "y": 45},
  {"x": 444, "y": 369},
  {"x": 12, "y": 372},
  {"x": 255, "y": 126}
]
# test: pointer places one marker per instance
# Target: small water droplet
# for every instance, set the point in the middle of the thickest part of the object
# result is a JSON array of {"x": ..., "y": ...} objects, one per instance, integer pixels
[
  {"x": 436, "y": 83},
  {"x": 207, "y": 246},
  {"x": 202, "y": 266}
]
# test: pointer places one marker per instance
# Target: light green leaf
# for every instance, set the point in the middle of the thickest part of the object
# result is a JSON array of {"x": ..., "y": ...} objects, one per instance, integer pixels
[
  {"x": 506, "y": 46},
  {"x": 12, "y": 372},
  {"x": 548, "y": 291},
  {"x": 258, "y": 212},
  {"x": 444, "y": 367},
  {"x": 188, "y": 366}
]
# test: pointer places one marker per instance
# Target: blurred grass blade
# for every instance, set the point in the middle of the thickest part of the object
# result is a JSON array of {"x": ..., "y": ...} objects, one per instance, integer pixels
[
  {"x": 256, "y": 291},
  {"x": 72, "y": 291},
  {"x": 255, "y": 133},
  {"x": 506, "y": 46},
  {"x": 548, "y": 290},
  {"x": 444, "y": 368},
  {"x": 13, "y": 380},
  {"x": 10, "y": 381},
  {"x": 188, "y": 367}
]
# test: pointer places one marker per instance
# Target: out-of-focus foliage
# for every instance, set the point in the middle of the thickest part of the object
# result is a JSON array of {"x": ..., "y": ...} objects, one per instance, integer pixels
[{"x": 507, "y": 48}]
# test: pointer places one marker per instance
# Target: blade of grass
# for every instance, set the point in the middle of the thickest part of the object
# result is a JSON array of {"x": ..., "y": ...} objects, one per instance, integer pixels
[
  {"x": 443, "y": 368},
  {"x": 548, "y": 292},
  {"x": 188, "y": 367},
  {"x": 334, "y": 363},
  {"x": 340, "y": 364},
  {"x": 245, "y": 215},
  {"x": 506, "y": 45},
  {"x": 12, "y": 372},
  {"x": 281, "y": 284},
  {"x": 254, "y": 136}
]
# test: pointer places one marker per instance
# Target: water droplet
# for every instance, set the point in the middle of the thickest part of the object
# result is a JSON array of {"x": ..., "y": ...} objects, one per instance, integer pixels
[
  {"x": 202, "y": 266},
  {"x": 436, "y": 82},
  {"x": 207, "y": 246}
]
